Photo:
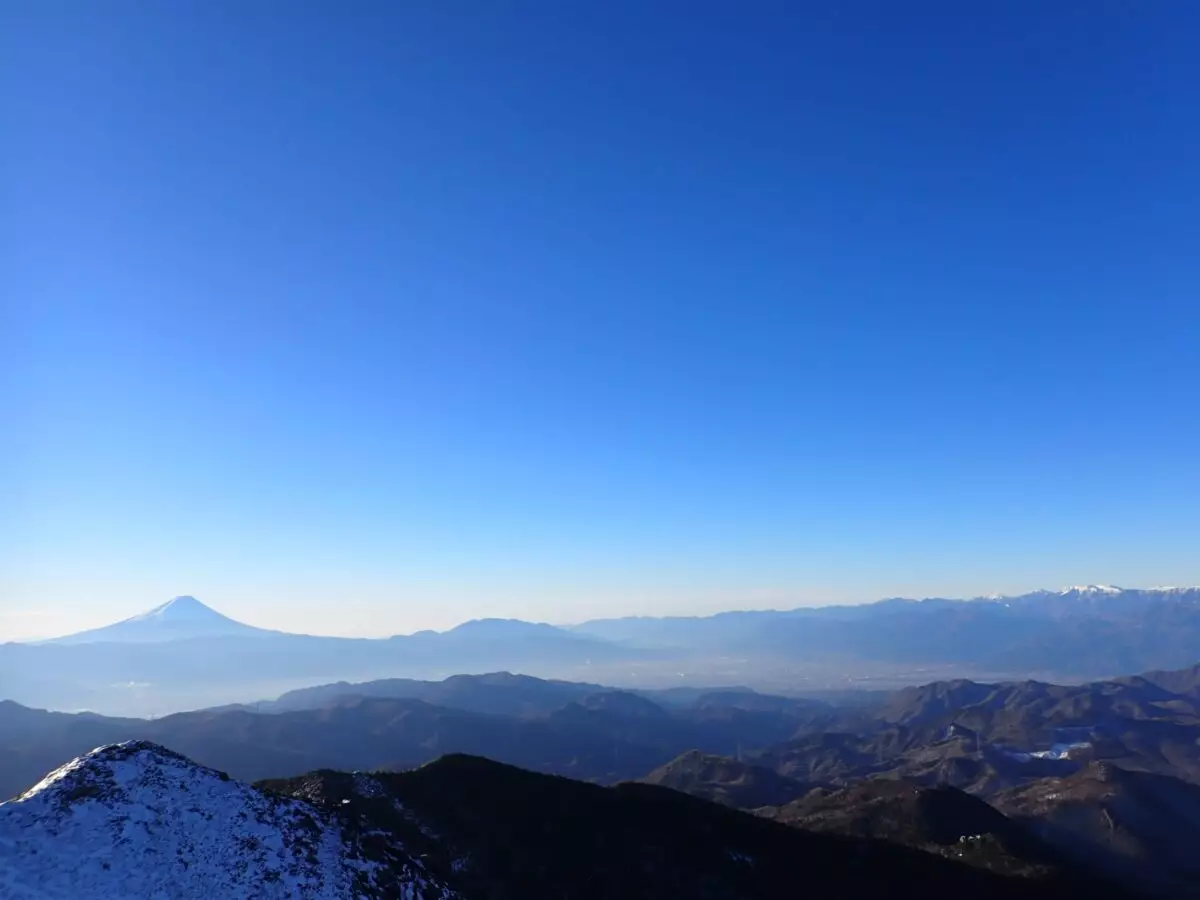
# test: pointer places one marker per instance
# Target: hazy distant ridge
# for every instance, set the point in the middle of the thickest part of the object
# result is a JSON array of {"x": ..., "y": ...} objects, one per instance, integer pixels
[{"x": 185, "y": 655}]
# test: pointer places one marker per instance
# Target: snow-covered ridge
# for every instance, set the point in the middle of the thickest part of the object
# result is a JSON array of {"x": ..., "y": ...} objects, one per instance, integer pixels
[
  {"x": 1056, "y": 751},
  {"x": 1089, "y": 591},
  {"x": 178, "y": 619},
  {"x": 179, "y": 609},
  {"x": 136, "y": 820}
]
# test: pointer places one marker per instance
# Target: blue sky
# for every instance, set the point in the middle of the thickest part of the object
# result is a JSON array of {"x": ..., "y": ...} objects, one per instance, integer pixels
[{"x": 362, "y": 318}]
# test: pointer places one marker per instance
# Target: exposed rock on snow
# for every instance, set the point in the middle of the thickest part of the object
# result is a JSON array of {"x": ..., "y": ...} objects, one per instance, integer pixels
[{"x": 136, "y": 820}]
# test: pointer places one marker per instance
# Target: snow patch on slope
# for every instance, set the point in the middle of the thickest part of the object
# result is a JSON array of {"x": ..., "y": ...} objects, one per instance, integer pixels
[
  {"x": 136, "y": 820},
  {"x": 1056, "y": 751},
  {"x": 178, "y": 619}
]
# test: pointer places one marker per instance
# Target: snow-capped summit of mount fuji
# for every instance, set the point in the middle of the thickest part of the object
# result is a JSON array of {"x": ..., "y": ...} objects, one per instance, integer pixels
[
  {"x": 179, "y": 618},
  {"x": 137, "y": 820}
]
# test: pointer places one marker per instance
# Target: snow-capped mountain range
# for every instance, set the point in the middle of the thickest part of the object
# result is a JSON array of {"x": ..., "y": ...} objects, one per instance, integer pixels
[
  {"x": 1092, "y": 590},
  {"x": 136, "y": 820}
]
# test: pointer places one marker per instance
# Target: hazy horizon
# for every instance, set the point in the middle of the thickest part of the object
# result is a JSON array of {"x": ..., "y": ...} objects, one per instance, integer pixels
[
  {"x": 394, "y": 317},
  {"x": 12, "y": 623}
]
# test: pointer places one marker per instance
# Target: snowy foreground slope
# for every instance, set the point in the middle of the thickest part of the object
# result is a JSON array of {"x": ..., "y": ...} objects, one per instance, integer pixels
[{"x": 136, "y": 820}]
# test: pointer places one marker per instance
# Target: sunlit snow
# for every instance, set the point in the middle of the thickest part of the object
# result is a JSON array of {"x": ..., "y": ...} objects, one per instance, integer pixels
[{"x": 135, "y": 820}]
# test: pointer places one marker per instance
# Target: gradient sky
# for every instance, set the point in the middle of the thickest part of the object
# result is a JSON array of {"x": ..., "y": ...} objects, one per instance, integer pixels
[{"x": 359, "y": 318}]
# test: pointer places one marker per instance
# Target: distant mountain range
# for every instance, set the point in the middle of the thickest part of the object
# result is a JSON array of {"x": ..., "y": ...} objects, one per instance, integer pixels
[
  {"x": 185, "y": 655},
  {"x": 1075, "y": 633},
  {"x": 1022, "y": 779},
  {"x": 1103, "y": 602}
]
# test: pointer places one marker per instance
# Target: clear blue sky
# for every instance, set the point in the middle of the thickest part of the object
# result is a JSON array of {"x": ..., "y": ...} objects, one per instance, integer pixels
[{"x": 365, "y": 317}]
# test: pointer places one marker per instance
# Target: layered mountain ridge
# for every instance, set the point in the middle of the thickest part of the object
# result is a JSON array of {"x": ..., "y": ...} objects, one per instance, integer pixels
[
  {"x": 183, "y": 655},
  {"x": 135, "y": 819},
  {"x": 1039, "y": 778}
]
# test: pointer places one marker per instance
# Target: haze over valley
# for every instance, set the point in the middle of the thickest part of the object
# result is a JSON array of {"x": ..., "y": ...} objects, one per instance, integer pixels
[
  {"x": 184, "y": 654},
  {"x": 374, "y": 768},
  {"x": 1017, "y": 788}
]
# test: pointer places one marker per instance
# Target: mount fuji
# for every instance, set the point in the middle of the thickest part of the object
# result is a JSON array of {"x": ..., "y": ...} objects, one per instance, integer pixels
[
  {"x": 177, "y": 619},
  {"x": 185, "y": 655}
]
